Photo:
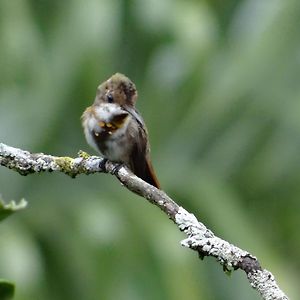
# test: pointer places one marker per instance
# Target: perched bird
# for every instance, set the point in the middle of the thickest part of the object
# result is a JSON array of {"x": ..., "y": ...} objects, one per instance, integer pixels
[{"x": 114, "y": 127}]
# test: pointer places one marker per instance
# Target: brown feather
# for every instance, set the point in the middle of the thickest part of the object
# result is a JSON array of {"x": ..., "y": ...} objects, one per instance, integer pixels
[
  {"x": 140, "y": 162},
  {"x": 150, "y": 175}
]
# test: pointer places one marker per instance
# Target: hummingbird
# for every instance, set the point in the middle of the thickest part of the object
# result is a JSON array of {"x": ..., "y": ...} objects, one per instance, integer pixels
[{"x": 114, "y": 127}]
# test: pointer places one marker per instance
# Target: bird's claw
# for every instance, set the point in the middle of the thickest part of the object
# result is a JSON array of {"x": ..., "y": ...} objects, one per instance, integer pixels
[{"x": 102, "y": 164}]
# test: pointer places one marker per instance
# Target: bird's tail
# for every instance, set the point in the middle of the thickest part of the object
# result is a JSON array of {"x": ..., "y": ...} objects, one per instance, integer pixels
[
  {"x": 143, "y": 168},
  {"x": 150, "y": 176}
]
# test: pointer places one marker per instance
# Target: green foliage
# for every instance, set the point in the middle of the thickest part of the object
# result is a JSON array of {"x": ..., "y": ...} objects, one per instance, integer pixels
[
  {"x": 6, "y": 290},
  {"x": 10, "y": 208},
  {"x": 219, "y": 89}
]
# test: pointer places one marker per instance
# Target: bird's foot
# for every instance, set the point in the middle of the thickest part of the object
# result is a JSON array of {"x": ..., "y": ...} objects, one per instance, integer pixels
[{"x": 102, "y": 164}]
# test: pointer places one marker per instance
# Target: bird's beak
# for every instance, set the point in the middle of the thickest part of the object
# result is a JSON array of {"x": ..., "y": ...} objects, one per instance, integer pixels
[{"x": 119, "y": 120}]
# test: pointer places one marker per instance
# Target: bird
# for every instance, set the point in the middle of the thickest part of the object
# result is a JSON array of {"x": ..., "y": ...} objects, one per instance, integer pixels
[{"x": 113, "y": 127}]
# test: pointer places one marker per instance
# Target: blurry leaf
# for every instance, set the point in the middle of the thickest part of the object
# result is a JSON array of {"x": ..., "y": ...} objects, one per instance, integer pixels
[
  {"x": 7, "y": 290},
  {"x": 10, "y": 208}
]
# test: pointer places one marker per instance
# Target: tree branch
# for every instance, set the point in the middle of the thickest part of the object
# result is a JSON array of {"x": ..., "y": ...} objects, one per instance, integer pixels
[{"x": 199, "y": 238}]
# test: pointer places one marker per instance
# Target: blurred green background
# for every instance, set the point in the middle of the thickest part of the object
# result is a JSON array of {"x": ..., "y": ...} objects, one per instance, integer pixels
[{"x": 219, "y": 89}]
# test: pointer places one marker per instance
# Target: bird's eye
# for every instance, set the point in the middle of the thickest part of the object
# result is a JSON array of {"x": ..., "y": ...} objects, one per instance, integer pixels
[{"x": 110, "y": 98}]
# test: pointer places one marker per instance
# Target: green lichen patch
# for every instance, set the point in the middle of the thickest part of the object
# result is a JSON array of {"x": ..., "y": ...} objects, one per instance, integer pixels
[
  {"x": 83, "y": 154},
  {"x": 66, "y": 165}
]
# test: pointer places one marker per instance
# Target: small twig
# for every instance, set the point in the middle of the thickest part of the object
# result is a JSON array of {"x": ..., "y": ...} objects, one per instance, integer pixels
[{"x": 199, "y": 238}]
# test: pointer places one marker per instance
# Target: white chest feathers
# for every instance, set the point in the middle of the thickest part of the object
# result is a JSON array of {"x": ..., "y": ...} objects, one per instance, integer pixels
[{"x": 115, "y": 146}]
